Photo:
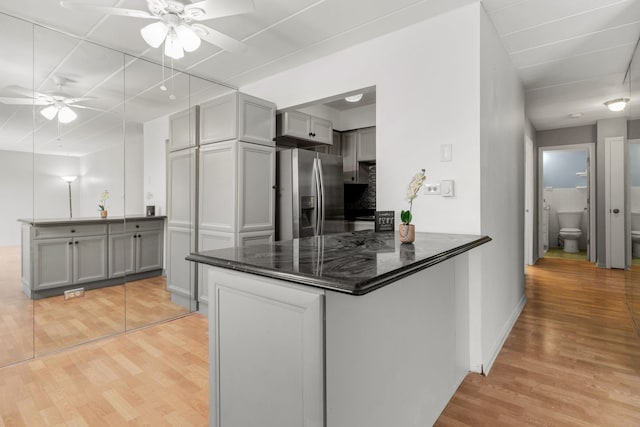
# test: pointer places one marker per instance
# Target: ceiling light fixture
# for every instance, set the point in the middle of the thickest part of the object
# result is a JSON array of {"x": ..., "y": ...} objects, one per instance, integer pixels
[
  {"x": 64, "y": 113},
  {"x": 575, "y": 115},
  {"x": 354, "y": 98},
  {"x": 617, "y": 104},
  {"x": 177, "y": 35}
]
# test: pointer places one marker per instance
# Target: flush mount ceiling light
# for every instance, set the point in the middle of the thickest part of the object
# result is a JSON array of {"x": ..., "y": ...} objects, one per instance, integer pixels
[
  {"x": 575, "y": 115},
  {"x": 177, "y": 23},
  {"x": 354, "y": 98},
  {"x": 617, "y": 104}
]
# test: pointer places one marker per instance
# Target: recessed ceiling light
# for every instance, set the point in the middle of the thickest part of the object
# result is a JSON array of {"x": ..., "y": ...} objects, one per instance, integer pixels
[
  {"x": 575, "y": 115},
  {"x": 354, "y": 98},
  {"x": 617, "y": 104}
]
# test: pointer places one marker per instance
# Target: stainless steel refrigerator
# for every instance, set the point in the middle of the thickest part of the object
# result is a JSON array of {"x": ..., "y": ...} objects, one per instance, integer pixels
[{"x": 310, "y": 194}]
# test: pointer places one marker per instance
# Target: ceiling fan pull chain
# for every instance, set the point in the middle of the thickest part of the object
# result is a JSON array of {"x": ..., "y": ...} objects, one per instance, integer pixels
[
  {"x": 172, "y": 96},
  {"x": 162, "y": 86}
]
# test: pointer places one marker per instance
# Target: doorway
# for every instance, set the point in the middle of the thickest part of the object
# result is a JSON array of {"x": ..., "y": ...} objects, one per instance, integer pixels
[{"x": 566, "y": 220}]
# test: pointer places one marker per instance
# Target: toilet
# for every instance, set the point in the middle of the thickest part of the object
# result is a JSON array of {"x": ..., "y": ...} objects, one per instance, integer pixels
[
  {"x": 635, "y": 233},
  {"x": 570, "y": 229}
]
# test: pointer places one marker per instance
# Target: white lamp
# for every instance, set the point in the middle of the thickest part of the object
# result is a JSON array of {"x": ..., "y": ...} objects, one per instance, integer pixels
[
  {"x": 69, "y": 179},
  {"x": 617, "y": 104},
  {"x": 154, "y": 34},
  {"x": 64, "y": 113}
]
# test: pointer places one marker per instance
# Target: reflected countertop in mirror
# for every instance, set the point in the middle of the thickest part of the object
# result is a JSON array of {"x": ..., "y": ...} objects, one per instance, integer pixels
[{"x": 108, "y": 220}]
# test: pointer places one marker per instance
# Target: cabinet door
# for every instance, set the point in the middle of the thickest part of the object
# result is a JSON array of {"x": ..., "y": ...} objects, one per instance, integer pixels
[
  {"x": 181, "y": 170},
  {"x": 256, "y": 192},
  {"x": 148, "y": 250},
  {"x": 266, "y": 329},
  {"x": 217, "y": 187},
  {"x": 257, "y": 120},
  {"x": 349, "y": 162},
  {"x": 218, "y": 119},
  {"x": 52, "y": 263},
  {"x": 180, "y": 272},
  {"x": 209, "y": 240},
  {"x": 366, "y": 145},
  {"x": 322, "y": 131},
  {"x": 297, "y": 125},
  {"x": 255, "y": 238},
  {"x": 182, "y": 129},
  {"x": 89, "y": 259},
  {"x": 336, "y": 147},
  {"x": 121, "y": 254}
]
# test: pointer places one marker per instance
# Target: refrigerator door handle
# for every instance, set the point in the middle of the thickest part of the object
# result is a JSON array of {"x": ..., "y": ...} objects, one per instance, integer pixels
[
  {"x": 316, "y": 178},
  {"x": 322, "y": 212}
]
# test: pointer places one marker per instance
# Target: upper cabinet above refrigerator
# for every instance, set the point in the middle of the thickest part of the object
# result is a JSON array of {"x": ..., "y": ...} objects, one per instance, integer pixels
[{"x": 302, "y": 130}]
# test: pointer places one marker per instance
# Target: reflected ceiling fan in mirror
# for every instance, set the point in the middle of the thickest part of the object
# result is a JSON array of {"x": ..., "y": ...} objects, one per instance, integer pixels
[
  {"x": 177, "y": 24},
  {"x": 55, "y": 105}
]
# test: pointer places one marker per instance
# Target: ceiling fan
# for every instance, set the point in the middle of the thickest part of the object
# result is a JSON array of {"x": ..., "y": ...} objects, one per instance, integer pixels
[
  {"x": 55, "y": 105},
  {"x": 177, "y": 24}
]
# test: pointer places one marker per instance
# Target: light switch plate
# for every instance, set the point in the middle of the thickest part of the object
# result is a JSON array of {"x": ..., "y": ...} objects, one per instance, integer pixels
[{"x": 446, "y": 188}]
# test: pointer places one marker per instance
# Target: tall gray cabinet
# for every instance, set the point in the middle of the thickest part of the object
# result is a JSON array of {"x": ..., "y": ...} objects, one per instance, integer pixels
[{"x": 221, "y": 185}]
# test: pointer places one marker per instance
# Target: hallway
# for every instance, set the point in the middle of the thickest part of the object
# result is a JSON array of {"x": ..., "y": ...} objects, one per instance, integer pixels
[{"x": 572, "y": 358}]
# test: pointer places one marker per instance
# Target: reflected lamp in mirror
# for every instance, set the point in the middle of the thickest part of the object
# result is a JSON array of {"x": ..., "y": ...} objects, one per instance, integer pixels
[
  {"x": 64, "y": 113},
  {"x": 69, "y": 179},
  {"x": 616, "y": 105}
]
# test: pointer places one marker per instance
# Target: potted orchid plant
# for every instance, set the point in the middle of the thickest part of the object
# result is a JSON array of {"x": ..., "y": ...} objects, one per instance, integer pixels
[
  {"x": 102, "y": 203},
  {"x": 407, "y": 230}
]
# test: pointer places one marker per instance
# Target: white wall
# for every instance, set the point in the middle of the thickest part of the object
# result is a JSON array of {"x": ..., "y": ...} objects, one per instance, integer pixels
[
  {"x": 420, "y": 78},
  {"x": 502, "y": 131},
  {"x": 156, "y": 132},
  {"x": 428, "y": 87},
  {"x": 16, "y": 194},
  {"x": 357, "y": 118}
]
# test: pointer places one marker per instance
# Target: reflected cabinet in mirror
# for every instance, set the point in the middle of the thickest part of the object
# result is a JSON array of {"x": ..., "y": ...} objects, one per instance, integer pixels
[{"x": 84, "y": 229}]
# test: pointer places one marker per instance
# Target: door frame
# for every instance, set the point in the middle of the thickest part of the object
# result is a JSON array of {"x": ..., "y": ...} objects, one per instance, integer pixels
[
  {"x": 607, "y": 202},
  {"x": 529, "y": 202},
  {"x": 590, "y": 147}
]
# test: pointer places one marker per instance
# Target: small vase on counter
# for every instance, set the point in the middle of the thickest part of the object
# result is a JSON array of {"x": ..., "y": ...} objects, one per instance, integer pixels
[
  {"x": 103, "y": 213},
  {"x": 407, "y": 233}
]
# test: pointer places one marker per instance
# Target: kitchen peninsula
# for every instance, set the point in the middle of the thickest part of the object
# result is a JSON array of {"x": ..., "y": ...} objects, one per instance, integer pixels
[
  {"x": 342, "y": 330},
  {"x": 62, "y": 254}
]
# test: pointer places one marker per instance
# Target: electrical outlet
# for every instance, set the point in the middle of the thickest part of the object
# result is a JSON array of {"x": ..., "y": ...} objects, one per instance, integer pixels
[
  {"x": 431, "y": 189},
  {"x": 73, "y": 293}
]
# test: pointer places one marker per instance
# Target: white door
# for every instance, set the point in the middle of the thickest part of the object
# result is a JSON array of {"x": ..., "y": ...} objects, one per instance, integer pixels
[
  {"x": 528, "y": 201},
  {"x": 614, "y": 203}
]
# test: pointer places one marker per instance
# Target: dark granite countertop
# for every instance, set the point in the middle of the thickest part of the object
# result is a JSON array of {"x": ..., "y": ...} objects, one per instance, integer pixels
[
  {"x": 91, "y": 220},
  {"x": 355, "y": 263}
]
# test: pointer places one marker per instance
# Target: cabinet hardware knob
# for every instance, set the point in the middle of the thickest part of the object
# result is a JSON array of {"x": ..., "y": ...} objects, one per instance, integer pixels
[
  {"x": 137, "y": 225},
  {"x": 70, "y": 243},
  {"x": 616, "y": 211},
  {"x": 274, "y": 187},
  {"x": 76, "y": 242},
  {"x": 310, "y": 134},
  {"x": 73, "y": 231}
]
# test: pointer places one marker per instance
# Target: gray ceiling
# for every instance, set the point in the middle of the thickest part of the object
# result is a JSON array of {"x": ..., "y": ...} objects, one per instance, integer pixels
[{"x": 571, "y": 55}]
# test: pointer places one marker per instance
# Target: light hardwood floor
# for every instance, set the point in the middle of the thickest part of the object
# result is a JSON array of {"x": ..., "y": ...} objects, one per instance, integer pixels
[
  {"x": 572, "y": 359},
  {"x": 157, "y": 376},
  {"x": 36, "y": 327}
]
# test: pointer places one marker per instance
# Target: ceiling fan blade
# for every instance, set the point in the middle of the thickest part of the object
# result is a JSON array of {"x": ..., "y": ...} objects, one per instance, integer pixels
[
  {"x": 133, "y": 13},
  {"x": 23, "y": 101},
  {"x": 74, "y": 100},
  {"x": 219, "y": 39},
  {"x": 29, "y": 93},
  {"x": 84, "y": 107},
  {"x": 220, "y": 8}
]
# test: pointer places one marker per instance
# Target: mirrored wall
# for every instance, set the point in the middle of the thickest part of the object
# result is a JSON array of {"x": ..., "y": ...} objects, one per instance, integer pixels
[{"x": 85, "y": 129}]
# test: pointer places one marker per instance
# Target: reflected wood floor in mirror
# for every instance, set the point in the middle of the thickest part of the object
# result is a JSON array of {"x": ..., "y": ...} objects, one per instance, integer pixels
[
  {"x": 572, "y": 358},
  {"x": 16, "y": 310},
  {"x": 60, "y": 324},
  {"x": 156, "y": 376}
]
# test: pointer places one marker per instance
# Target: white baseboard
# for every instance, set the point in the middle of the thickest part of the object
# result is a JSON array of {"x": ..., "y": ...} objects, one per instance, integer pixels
[{"x": 495, "y": 350}]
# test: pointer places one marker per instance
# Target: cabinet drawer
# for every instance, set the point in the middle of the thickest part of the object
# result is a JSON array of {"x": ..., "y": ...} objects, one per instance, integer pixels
[
  {"x": 129, "y": 226},
  {"x": 41, "y": 232}
]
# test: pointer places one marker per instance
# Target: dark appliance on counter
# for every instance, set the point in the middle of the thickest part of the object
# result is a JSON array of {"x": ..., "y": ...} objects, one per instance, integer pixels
[{"x": 310, "y": 194}]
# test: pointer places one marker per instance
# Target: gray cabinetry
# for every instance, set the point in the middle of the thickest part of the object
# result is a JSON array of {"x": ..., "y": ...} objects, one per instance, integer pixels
[
  {"x": 358, "y": 146},
  {"x": 294, "y": 124},
  {"x": 60, "y": 255},
  {"x": 366, "y": 151},
  {"x": 349, "y": 163}
]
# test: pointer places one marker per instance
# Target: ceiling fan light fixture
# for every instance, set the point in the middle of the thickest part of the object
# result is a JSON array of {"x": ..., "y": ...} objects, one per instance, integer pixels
[
  {"x": 154, "y": 34},
  {"x": 354, "y": 98},
  {"x": 173, "y": 47},
  {"x": 189, "y": 39},
  {"x": 66, "y": 115},
  {"x": 49, "y": 112},
  {"x": 616, "y": 105}
]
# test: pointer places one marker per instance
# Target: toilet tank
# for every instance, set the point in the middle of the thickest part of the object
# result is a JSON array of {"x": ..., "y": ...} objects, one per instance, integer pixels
[
  {"x": 570, "y": 219},
  {"x": 635, "y": 220}
]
